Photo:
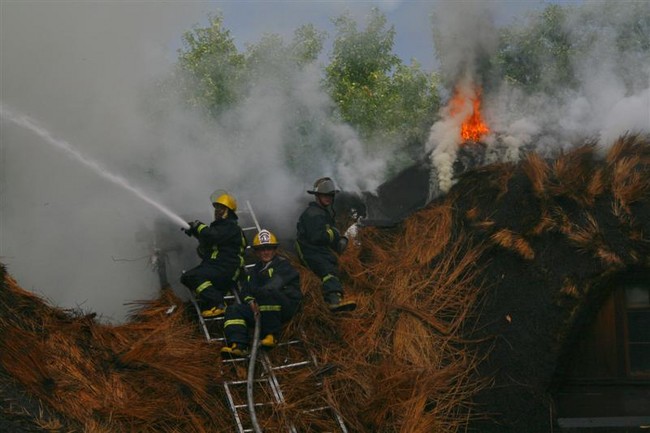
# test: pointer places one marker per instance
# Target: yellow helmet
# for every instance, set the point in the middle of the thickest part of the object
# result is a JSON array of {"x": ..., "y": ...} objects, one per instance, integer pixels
[
  {"x": 222, "y": 197},
  {"x": 265, "y": 239}
]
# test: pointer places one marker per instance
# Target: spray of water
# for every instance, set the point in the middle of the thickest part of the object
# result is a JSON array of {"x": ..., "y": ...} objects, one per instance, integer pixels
[{"x": 28, "y": 123}]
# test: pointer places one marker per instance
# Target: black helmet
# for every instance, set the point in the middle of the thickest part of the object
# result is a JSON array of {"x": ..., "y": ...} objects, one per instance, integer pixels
[{"x": 324, "y": 185}]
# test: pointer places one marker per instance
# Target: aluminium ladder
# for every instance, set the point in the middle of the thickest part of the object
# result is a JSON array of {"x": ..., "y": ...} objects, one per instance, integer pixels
[{"x": 268, "y": 389}]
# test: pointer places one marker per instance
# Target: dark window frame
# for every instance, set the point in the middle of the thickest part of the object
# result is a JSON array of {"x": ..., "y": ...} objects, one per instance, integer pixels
[
  {"x": 598, "y": 387},
  {"x": 624, "y": 312}
]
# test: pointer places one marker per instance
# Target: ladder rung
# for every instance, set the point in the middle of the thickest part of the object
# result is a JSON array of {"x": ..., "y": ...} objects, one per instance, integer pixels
[
  {"x": 267, "y": 380},
  {"x": 287, "y": 343},
  {"x": 266, "y": 403},
  {"x": 292, "y": 365},
  {"x": 317, "y": 409},
  {"x": 233, "y": 360},
  {"x": 244, "y": 382}
]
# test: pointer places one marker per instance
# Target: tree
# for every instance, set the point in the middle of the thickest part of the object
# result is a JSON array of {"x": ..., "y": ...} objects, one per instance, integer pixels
[
  {"x": 614, "y": 35},
  {"x": 307, "y": 44},
  {"x": 556, "y": 48},
  {"x": 389, "y": 103},
  {"x": 373, "y": 90},
  {"x": 211, "y": 68},
  {"x": 271, "y": 57},
  {"x": 213, "y": 75},
  {"x": 537, "y": 56}
]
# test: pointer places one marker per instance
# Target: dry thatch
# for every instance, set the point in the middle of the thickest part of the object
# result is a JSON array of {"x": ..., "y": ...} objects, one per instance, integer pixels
[
  {"x": 555, "y": 234},
  {"x": 153, "y": 374},
  {"x": 465, "y": 311}
]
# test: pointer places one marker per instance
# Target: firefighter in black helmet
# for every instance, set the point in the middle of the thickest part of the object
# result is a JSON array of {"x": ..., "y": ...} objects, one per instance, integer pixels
[
  {"x": 221, "y": 249},
  {"x": 273, "y": 287},
  {"x": 319, "y": 242}
]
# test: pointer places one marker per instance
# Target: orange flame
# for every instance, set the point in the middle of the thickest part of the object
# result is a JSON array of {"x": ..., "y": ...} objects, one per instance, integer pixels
[{"x": 473, "y": 127}]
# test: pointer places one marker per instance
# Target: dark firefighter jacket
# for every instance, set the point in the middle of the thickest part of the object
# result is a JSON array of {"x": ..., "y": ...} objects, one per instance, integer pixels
[
  {"x": 317, "y": 228},
  {"x": 276, "y": 278},
  {"x": 222, "y": 244}
]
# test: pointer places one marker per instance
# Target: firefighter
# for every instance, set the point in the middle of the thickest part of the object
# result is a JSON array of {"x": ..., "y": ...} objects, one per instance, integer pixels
[
  {"x": 272, "y": 288},
  {"x": 221, "y": 249},
  {"x": 319, "y": 243}
]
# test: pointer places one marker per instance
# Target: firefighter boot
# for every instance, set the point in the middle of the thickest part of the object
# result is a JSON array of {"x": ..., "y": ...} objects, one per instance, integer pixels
[
  {"x": 269, "y": 342},
  {"x": 235, "y": 350},
  {"x": 336, "y": 304},
  {"x": 213, "y": 311}
]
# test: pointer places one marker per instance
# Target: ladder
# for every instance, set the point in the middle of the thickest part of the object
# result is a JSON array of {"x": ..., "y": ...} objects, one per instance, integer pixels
[{"x": 288, "y": 357}]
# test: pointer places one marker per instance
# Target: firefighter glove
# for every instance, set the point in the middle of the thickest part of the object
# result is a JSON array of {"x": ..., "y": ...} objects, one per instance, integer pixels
[
  {"x": 193, "y": 230},
  {"x": 342, "y": 244},
  {"x": 254, "y": 307}
]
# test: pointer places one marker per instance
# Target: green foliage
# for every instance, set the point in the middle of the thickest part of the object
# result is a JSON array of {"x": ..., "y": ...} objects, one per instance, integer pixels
[
  {"x": 307, "y": 44},
  {"x": 214, "y": 75},
  {"x": 266, "y": 58},
  {"x": 272, "y": 58},
  {"x": 550, "y": 51},
  {"x": 617, "y": 36},
  {"x": 538, "y": 57},
  {"x": 275, "y": 65},
  {"x": 210, "y": 66},
  {"x": 373, "y": 90},
  {"x": 387, "y": 102},
  {"x": 359, "y": 57},
  {"x": 414, "y": 104}
]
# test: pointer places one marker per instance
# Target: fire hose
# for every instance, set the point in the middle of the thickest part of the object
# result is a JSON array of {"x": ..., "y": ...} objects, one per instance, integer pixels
[{"x": 251, "y": 367}]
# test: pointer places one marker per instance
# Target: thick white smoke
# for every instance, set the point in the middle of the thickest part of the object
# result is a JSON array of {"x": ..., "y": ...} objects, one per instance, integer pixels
[
  {"x": 463, "y": 32},
  {"x": 612, "y": 95},
  {"x": 84, "y": 72},
  {"x": 77, "y": 69},
  {"x": 445, "y": 135}
]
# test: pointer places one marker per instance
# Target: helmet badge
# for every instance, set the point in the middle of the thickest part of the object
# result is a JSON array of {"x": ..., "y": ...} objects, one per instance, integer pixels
[{"x": 265, "y": 237}]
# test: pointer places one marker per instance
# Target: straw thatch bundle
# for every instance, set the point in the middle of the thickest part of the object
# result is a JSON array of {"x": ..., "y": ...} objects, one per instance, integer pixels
[
  {"x": 466, "y": 310},
  {"x": 558, "y": 233},
  {"x": 152, "y": 374}
]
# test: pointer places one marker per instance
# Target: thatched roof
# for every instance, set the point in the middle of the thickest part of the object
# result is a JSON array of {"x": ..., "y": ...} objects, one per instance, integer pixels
[{"x": 465, "y": 312}]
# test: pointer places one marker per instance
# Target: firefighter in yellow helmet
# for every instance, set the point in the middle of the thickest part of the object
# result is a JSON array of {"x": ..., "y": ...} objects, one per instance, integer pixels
[
  {"x": 319, "y": 243},
  {"x": 221, "y": 249},
  {"x": 272, "y": 286}
]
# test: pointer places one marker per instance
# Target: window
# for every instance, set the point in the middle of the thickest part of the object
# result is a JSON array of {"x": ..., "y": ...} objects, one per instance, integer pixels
[
  {"x": 606, "y": 380},
  {"x": 637, "y": 321}
]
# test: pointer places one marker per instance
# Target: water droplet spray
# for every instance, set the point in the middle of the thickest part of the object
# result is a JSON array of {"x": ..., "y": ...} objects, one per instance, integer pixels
[{"x": 30, "y": 124}]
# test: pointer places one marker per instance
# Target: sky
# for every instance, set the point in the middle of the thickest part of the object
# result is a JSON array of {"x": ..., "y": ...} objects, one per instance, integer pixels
[
  {"x": 78, "y": 73},
  {"x": 411, "y": 19}
]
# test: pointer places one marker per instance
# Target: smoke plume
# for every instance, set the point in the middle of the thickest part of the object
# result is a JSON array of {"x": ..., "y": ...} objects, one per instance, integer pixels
[
  {"x": 84, "y": 72},
  {"x": 611, "y": 96}
]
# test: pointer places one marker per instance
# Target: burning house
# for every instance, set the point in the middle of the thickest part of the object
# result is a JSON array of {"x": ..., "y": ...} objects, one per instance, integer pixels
[{"x": 517, "y": 301}]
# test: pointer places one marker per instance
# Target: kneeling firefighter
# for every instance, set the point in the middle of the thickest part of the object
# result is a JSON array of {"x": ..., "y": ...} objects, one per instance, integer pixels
[
  {"x": 221, "y": 249},
  {"x": 319, "y": 243},
  {"x": 272, "y": 287}
]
